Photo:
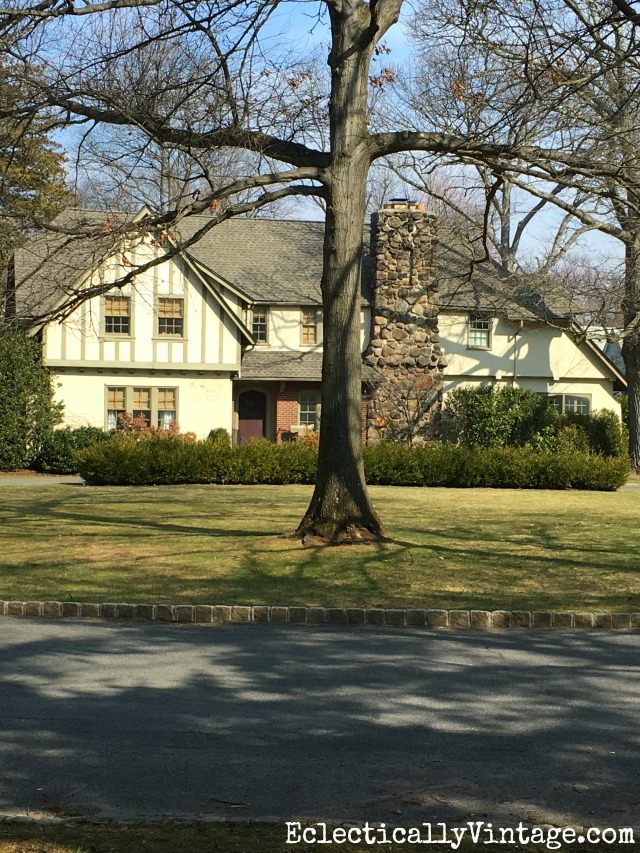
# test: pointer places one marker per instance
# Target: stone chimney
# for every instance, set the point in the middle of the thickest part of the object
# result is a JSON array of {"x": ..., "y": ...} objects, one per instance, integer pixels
[{"x": 403, "y": 362}]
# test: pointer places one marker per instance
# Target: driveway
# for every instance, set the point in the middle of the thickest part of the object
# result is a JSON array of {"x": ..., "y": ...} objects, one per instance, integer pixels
[{"x": 125, "y": 721}]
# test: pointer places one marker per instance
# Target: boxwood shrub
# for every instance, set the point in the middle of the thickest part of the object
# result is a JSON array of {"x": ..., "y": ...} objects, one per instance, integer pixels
[
  {"x": 173, "y": 459},
  {"x": 59, "y": 448}
]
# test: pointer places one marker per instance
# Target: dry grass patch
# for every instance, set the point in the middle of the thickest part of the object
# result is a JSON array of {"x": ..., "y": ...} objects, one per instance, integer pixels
[{"x": 223, "y": 544}]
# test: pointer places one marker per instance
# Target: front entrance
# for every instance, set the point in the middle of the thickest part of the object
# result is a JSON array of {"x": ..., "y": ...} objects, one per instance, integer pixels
[{"x": 252, "y": 415}]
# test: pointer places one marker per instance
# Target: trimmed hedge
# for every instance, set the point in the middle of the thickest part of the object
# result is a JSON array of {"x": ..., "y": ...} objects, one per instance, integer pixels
[{"x": 174, "y": 459}]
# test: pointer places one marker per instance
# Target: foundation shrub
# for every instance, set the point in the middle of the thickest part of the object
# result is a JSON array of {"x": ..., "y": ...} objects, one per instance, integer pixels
[
  {"x": 175, "y": 459},
  {"x": 392, "y": 464},
  {"x": 220, "y": 436},
  {"x": 455, "y": 466},
  {"x": 59, "y": 449},
  {"x": 493, "y": 416},
  {"x": 605, "y": 432},
  {"x": 163, "y": 459}
]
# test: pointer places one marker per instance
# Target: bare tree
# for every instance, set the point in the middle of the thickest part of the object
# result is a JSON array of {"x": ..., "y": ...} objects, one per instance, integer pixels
[
  {"x": 553, "y": 73},
  {"x": 228, "y": 84}
]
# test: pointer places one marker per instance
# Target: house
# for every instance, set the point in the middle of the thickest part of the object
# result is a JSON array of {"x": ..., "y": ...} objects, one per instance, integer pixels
[{"x": 228, "y": 331}]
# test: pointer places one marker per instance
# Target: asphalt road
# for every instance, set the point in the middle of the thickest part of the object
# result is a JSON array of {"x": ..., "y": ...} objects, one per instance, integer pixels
[{"x": 141, "y": 721}]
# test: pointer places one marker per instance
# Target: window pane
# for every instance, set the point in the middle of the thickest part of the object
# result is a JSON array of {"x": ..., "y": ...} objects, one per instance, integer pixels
[
  {"x": 166, "y": 398},
  {"x": 166, "y": 418},
  {"x": 555, "y": 400},
  {"x": 170, "y": 316},
  {"x": 115, "y": 406},
  {"x": 309, "y": 402},
  {"x": 169, "y": 307},
  {"x": 142, "y": 404},
  {"x": 115, "y": 398},
  {"x": 576, "y": 405},
  {"x": 479, "y": 328},
  {"x": 117, "y": 315},
  {"x": 309, "y": 333},
  {"x": 259, "y": 326}
]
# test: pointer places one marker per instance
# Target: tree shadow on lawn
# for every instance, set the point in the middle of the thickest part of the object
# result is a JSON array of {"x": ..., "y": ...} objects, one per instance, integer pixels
[{"x": 107, "y": 721}]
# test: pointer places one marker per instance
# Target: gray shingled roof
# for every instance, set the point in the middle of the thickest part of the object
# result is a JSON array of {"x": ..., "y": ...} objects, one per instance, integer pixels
[
  {"x": 268, "y": 365},
  {"x": 466, "y": 285},
  {"x": 272, "y": 261},
  {"x": 50, "y": 266},
  {"x": 285, "y": 364}
]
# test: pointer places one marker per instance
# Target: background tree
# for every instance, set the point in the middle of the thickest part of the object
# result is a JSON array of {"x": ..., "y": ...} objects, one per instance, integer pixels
[
  {"x": 32, "y": 175},
  {"x": 27, "y": 410},
  {"x": 571, "y": 79}
]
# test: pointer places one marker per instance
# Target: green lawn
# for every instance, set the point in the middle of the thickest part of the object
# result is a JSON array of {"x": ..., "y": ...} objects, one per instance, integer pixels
[{"x": 224, "y": 545}]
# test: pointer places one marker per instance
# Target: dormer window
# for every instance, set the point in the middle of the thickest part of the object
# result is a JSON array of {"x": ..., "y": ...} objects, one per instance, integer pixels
[
  {"x": 259, "y": 325},
  {"x": 479, "y": 333},
  {"x": 170, "y": 316},
  {"x": 311, "y": 319},
  {"x": 117, "y": 315}
]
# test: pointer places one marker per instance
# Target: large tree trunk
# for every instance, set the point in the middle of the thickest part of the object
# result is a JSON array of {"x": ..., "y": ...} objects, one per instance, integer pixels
[
  {"x": 631, "y": 345},
  {"x": 340, "y": 509}
]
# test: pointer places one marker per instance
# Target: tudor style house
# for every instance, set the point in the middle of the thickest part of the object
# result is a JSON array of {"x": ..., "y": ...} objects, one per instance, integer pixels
[{"x": 228, "y": 332}]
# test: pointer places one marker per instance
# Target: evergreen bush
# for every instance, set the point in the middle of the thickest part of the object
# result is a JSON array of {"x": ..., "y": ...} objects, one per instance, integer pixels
[
  {"x": 27, "y": 410},
  {"x": 604, "y": 430},
  {"x": 174, "y": 459},
  {"x": 493, "y": 416},
  {"x": 58, "y": 452}
]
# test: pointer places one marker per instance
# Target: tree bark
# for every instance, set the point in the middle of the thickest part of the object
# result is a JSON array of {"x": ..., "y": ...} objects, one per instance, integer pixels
[
  {"x": 631, "y": 344},
  {"x": 340, "y": 509}
]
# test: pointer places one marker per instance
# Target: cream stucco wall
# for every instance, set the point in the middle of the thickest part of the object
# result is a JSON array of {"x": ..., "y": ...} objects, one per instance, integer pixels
[
  {"x": 210, "y": 338},
  {"x": 538, "y": 358},
  {"x": 204, "y": 401},
  {"x": 284, "y": 330}
]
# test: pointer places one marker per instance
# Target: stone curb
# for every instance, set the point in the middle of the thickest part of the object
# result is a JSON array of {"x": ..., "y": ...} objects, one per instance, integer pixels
[{"x": 216, "y": 614}]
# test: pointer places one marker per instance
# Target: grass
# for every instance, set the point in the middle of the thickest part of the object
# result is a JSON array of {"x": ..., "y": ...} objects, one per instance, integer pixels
[{"x": 224, "y": 545}]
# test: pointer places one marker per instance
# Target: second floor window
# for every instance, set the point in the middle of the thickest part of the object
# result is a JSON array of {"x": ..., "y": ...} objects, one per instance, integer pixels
[
  {"x": 171, "y": 316},
  {"x": 117, "y": 315},
  {"x": 309, "y": 332},
  {"x": 259, "y": 325},
  {"x": 479, "y": 331}
]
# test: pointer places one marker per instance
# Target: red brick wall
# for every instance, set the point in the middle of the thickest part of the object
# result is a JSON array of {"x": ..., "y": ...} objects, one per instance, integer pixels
[{"x": 286, "y": 411}]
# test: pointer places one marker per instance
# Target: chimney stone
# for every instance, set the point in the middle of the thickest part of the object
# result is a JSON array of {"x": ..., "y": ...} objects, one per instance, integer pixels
[{"x": 404, "y": 359}]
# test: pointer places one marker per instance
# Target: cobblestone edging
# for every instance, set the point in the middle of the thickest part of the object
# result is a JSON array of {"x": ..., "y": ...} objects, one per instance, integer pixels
[{"x": 210, "y": 614}]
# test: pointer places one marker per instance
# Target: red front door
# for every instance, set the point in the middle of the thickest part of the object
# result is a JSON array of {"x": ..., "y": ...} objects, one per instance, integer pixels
[{"x": 252, "y": 415}]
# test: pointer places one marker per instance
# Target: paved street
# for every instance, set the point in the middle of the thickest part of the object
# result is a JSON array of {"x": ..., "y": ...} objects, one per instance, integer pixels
[{"x": 124, "y": 721}]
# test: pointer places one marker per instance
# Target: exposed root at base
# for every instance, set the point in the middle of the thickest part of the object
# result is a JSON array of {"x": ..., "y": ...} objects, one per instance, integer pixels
[{"x": 318, "y": 534}]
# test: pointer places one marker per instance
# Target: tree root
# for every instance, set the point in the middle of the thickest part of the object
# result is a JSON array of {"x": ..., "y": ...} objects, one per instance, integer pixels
[{"x": 315, "y": 533}]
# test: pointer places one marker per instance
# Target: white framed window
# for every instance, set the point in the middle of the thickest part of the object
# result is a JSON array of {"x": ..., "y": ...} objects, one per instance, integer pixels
[
  {"x": 156, "y": 406},
  {"x": 170, "y": 314},
  {"x": 260, "y": 325},
  {"x": 479, "y": 332},
  {"x": 309, "y": 408},
  {"x": 310, "y": 326},
  {"x": 575, "y": 404},
  {"x": 117, "y": 315}
]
